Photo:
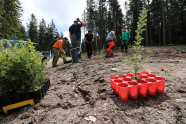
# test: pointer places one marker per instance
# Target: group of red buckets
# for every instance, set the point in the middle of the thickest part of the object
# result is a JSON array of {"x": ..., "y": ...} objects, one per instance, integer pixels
[{"x": 125, "y": 87}]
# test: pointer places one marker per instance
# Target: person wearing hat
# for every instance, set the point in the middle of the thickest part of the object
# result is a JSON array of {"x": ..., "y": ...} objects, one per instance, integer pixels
[
  {"x": 57, "y": 47},
  {"x": 75, "y": 37},
  {"x": 54, "y": 41},
  {"x": 125, "y": 35},
  {"x": 89, "y": 39}
]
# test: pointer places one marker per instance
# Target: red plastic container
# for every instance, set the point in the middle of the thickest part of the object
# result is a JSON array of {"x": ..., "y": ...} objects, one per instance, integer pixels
[
  {"x": 129, "y": 75},
  {"x": 160, "y": 84},
  {"x": 126, "y": 79},
  {"x": 144, "y": 73},
  {"x": 125, "y": 87},
  {"x": 116, "y": 88},
  {"x": 152, "y": 85},
  {"x": 122, "y": 76},
  {"x": 143, "y": 76},
  {"x": 133, "y": 89},
  {"x": 123, "y": 91},
  {"x": 151, "y": 75},
  {"x": 143, "y": 88},
  {"x": 111, "y": 81},
  {"x": 138, "y": 74}
]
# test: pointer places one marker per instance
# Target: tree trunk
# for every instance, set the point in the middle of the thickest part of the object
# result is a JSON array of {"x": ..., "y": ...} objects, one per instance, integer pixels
[
  {"x": 168, "y": 22},
  {"x": 146, "y": 33},
  {"x": 164, "y": 43},
  {"x": 149, "y": 19}
]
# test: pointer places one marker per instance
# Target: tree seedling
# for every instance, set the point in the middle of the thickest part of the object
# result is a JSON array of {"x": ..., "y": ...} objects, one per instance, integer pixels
[{"x": 136, "y": 58}]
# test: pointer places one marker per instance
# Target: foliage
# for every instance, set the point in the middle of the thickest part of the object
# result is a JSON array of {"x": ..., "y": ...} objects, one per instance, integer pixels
[
  {"x": 137, "y": 59},
  {"x": 64, "y": 58},
  {"x": 10, "y": 23},
  {"x": 102, "y": 55},
  {"x": 21, "y": 70},
  {"x": 32, "y": 29}
]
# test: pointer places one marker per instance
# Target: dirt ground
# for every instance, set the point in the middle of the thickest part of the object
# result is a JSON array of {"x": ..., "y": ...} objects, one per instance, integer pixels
[{"x": 77, "y": 93}]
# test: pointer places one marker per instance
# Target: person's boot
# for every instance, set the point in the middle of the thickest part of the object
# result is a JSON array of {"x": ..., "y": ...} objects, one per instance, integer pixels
[
  {"x": 111, "y": 54},
  {"x": 121, "y": 50},
  {"x": 126, "y": 50}
]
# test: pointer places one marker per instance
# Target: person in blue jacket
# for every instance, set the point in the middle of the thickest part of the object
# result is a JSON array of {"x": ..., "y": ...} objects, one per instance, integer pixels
[{"x": 75, "y": 37}]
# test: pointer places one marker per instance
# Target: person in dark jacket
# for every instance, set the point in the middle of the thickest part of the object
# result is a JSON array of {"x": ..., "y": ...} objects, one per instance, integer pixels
[
  {"x": 52, "y": 43},
  {"x": 89, "y": 39},
  {"x": 75, "y": 37}
]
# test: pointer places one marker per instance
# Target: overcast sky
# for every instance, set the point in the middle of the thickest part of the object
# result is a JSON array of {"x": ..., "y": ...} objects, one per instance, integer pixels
[{"x": 63, "y": 12}]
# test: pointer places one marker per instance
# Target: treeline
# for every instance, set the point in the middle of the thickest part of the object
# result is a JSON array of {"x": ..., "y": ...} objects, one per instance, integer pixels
[
  {"x": 102, "y": 16},
  {"x": 166, "y": 20},
  {"x": 11, "y": 26}
]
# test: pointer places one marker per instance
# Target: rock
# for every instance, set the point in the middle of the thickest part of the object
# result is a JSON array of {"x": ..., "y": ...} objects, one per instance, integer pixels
[
  {"x": 105, "y": 118},
  {"x": 25, "y": 116},
  {"x": 101, "y": 80},
  {"x": 179, "y": 52},
  {"x": 101, "y": 90},
  {"x": 183, "y": 51},
  {"x": 36, "y": 108},
  {"x": 63, "y": 105},
  {"x": 90, "y": 118},
  {"x": 162, "y": 69},
  {"x": 103, "y": 96}
]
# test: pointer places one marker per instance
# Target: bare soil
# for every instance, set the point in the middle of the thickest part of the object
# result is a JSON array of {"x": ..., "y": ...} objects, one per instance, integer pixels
[{"x": 75, "y": 90}]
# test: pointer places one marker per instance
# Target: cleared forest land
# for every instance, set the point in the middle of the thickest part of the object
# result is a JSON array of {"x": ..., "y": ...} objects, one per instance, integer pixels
[{"x": 74, "y": 94}]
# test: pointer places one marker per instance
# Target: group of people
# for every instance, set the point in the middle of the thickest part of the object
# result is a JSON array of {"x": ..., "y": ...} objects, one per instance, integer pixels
[{"x": 75, "y": 37}]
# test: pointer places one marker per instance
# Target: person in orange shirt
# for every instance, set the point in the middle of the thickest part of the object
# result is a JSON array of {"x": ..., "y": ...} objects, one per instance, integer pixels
[{"x": 57, "y": 47}]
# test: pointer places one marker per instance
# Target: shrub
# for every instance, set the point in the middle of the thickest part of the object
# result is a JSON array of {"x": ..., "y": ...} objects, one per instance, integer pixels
[{"x": 21, "y": 70}]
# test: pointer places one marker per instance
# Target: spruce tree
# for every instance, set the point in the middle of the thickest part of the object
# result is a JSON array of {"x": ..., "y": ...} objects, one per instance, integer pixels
[
  {"x": 10, "y": 14},
  {"x": 42, "y": 32},
  {"x": 32, "y": 29}
]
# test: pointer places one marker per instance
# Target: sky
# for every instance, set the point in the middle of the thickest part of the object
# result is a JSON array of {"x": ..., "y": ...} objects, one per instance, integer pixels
[{"x": 63, "y": 12}]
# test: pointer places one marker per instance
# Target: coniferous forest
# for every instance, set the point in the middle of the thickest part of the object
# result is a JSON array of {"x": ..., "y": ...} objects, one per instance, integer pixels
[
  {"x": 166, "y": 20},
  {"x": 165, "y": 26}
]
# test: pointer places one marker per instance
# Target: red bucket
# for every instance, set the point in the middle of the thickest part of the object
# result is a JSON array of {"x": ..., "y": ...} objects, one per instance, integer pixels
[
  {"x": 133, "y": 89},
  {"x": 144, "y": 73},
  {"x": 143, "y": 88},
  {"x": 122, "y": 76},
  {"x": 116, "y": 88},
  {"x": 126, "y": 79},
  {"x": 152, "y": 85},
  {"x": 151, "y": 76},
  {"x": 111, "y": 81},
  {"x": 160, "y": 84},
  {"x": 123, "y": 91},
  {"x": 143, "y": 76},
  {"x": 129, "y": 75}
]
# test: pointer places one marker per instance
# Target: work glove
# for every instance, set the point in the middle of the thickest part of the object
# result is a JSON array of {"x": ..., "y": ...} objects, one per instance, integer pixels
[{"x": 78, "y": 19}]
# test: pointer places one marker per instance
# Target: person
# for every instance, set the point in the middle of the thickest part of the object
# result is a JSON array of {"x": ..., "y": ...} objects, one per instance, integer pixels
[
  {"x": 125, "y": 35},
  {"x": 89, "y": 39},
  {"x": 53, "y": 42},
  {"x": 57, "y": 47},
  {"x": 75, "y": 37},
  {"x": 110, "y": 37}
]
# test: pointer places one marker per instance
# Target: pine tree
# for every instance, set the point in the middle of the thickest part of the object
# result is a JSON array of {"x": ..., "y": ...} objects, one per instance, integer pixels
[
  {"x": 11, "y": 12},
  {"x": 21, "y": 33},
  {"x": 32, "y": 29},
  {"x": 42, "y": 32}
]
